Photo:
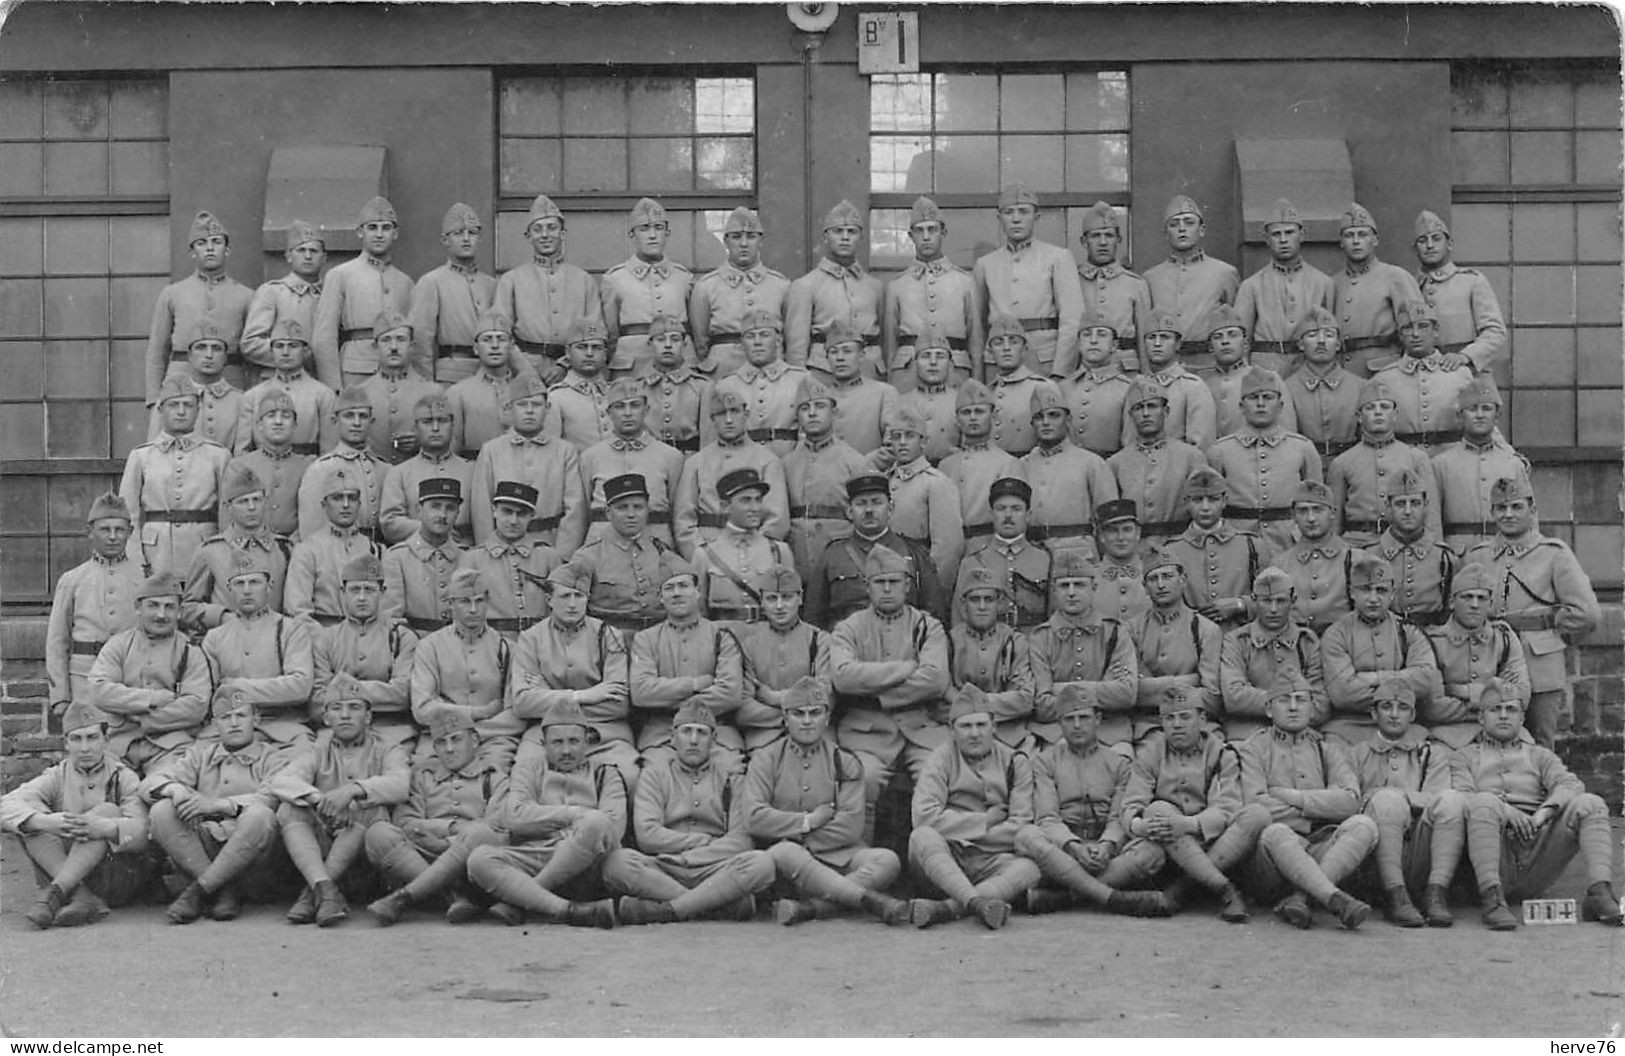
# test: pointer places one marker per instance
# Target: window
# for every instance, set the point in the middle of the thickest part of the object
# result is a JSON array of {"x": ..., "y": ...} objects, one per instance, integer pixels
[
  {"x": 960, "y": 137},
  {"x": 597, "y": 144}
]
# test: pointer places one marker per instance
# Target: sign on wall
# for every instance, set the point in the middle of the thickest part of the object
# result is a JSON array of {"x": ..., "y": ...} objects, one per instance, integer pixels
[{"x": 889, "y": 42}]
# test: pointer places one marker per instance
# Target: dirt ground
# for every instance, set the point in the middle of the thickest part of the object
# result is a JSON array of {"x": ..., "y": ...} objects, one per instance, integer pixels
[{"x": 1076, "y": 974}]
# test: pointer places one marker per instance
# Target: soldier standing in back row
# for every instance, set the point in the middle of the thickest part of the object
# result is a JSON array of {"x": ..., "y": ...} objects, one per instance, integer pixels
[
  {"x": 931, "y": 295},
  {"x": 352, "y": 296},
  {"x": 1467, "y": 470},
  {"x": 838, "y": 289},
  {"x": 93, "y": 601},
  {"x": 1111, "y": 292},
  {"x": 645, "y": 285},
  {"x": 545, "y": 296},
  {"x": 720, "y": 299},
  {"x": 208, "y": 291},
  {"x": 1034, "y": 283},
  {"x": 1273, "y": 299},
  {"x": 447, "y": 302},
  {"x": 291, "y": 298},
  {"x": 1469, "y": 316},
  {"x": 1367, "y": 296},
  {"x": 815, "y": 476},
  {"x": 172, "y": 484},
  {"x": 1262, "y": 462},
  {"x": 1190, "y": 284}
]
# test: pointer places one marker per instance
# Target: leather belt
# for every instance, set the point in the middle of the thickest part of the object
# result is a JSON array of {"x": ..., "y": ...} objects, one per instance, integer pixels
[
  {"x": 1257, "y": 513},
  {"x": 326, "y": 619},
  {"x": 540, "y": 348},
  {"x": 825, "y": 513},
  {"x": 655, "y": 516},
  {"x": 512, "y": 623},
  {"x": 1194, "y": 348},
  {"x": 1374, "y": 527},
  {"x": 761, "y": 435},
  {"x": 1427, "y": 619},
  {"x": 468, "y": 453},
  {"x": 311, "y": 448},
  {"x": 457, "y": 352},
  {"x": 743, "y": 613},
  {"x": 1429, "y": 437},
  {"x": 726, "y": 337},
  {"x": 1047, "y": 322},
  {"x": 689, "y": 444},
  {"x": 1530, "y": 621},
  {"x": 423, "y": 623},
  {"x": 956, "y": 343},
  {"x": 178, "y": 516},
  {"x": 544, "y": 524},
  {"x": 703, "y": 519},
  {"x": 86, "y": 648},
  {"x": 179, "y": 355},
  {"x": 632, "y": 329},
  {"x": 355, "y": 335},
  {"x": 1357, "y": 344},
  {"x": 1333, "y": 448},
  {"x": 1171, "y": 527},
  {"x": 1128, "y": 344},
  {"x": 975, "y": 531},
  {"x": 628, "y": 623},
  {"x": 869, "y": 339},
  {"x": 1277, "y": 348},
  {"x": 1040, "y": 532},
  {"x": 1469, "y": 528}
]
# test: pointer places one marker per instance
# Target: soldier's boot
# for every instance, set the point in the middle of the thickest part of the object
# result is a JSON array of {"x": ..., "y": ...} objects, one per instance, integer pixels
[
  {"x": 1401, "y": 911},
  {"x": 330, "y": 905},
  {"x": 391, "y": 908},
  {"x": 924, "y": 912},
  {"x": 1063, "y": 869},
  {"x": 1203, "y": 869},
  {"x": 86, "y": 907},
  {"x": 645, "y": 911},
  {"x": 1294, "y": 909},
  {"x": 228, "y": 903},
  {"x": 1436, "y": 906},
  {"x": 1351, "y": 912},
  {"x": 1600, "y": 905},
  {"x": 1179, "y": 893},
  {"x": 1232, "y": 905},
  {"x": 1140, "y": 904},
  {"x": 893, "y": 911},
  {"x": 790, "y": 911},
  {"x": 188, "y": 905},
  {"x": 994, "y": 913},
  {"x": 741, "y": 909},
  {"x": 303, "y": 911},
  {"x": 1497, "y": 914},
  {"x": 506, "y": 912},
  {"x": 599, "y": 914},
  {"x": 462, "y": 909},
  {"x": 42, "y": 914},
  {"x": 1041, "y": 900}
]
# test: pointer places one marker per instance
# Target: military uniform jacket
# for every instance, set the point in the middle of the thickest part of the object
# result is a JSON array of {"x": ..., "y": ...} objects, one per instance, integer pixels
[
  {"x": 1320, "y": 580},
  {"x": 998, "y": 663},
  {"x": 172, "y": 474},
  {"x": 660, "y": 465},
  {"x": 1468, "y": 659},
  {"x": 1153, "y": 474},
  {"x": 886, "y": 671},
  {"x": 977, "y": 804},
  {"x": 381, "y": 770},
  {"x": 1204, "y": 783},
  {"x": 158, "y": 689},
  {"x": 269, "y": 657},
  {"x": 1096, "y": 397},
  {"x": 549, "y": 465},
  {"x": 1523, "y": 774},
  {"x": 1544, "y": 595},
  {"x": 815, "y": 476},
  {"x": 785, "y": 781},
  {"x": 1022, "y": 570},
  {"x": 453, "y": 669},
  {"x": 377, "y": 654},
  {"x": 828, "y": 292},
  {"x": 1358, "y": 656},
  {"x": 691, "y": 817},
  {"x": 1068, "y": 483},
  {"x": 394, "y": 400},
  {"x": 220, "y": 405},
  {"x": 313, "y": 428},
  {"x": 1087, "y": 651},
  {"x": 1423, "y": 571},
  {"x": 697, "y": 510},
  {"x": 1192, "y": 416},
  {"x": 65, "y": 789},
  {"x": 774, "y": 662},
  {"x": 446, "y": 306},
  {"x": 578, "y": 411},
  {"x": 1327, "y": 406},
  {"x": 928, "y": 295},
  {"x": 316, "y": 571},
  {"x": 288, "y": 297},
  {"x": 440, "y": 798},
  {"x": 1425, "y": 395},
  {"x": 398, "y": 502},
  {"x": 1119, "y": 296},
  {"x": 633, "y": 292},
  {"x": 212, "y": 770},
  {"x": 1192, "y": 287},
  {"x": 1272, "y": 300},
  {"x": 207, "y": 598},
  {"x": 862, "y": 407},
  {"x": 925, "y": 508},
  {"x": 1120, "y": 590},
  {"x": 1317, "y": 768},
  {"x": 1469, "y": 315},
  {"x": 93, "y": 601},
  {"x": 1219, "y": 562},
  {"x": 1252, "y": 659},
  {"x": 415, "y": 578},
  {"x": 478, "y": 411},
  {"x": 720, "y": 300},
  {"x": 936, "y": 407},
  {"x": 679, "y": 407},
  {"x": 1176, "y": 647},
  {"x": 544, "y": 298},
  {"x": 1414, "y": 765},
  {"x": 543, "y": 804},
  {"x": 838, "y": 586},
  {"x": 745, "y": 554},
  {"x": 972, "y": 470},
  {"x": 516, "y": 575},
  {"x": 181, "y": 306},
  {"x": 1466, "y": 472},
  {"x": 1012, "y": 410},
  {"x": 552, "y": 662},
  {"x": 1078, "y": 796},
  {"x": 667, "y": 662},
  {"x": 769, "y": 394},
  {"x": 353, "y": 293},
  {"x": 281, "y": 472},
  {"x": 1263, "y": 471},
  {"x": 362, "y": 470},
  {"x": 626, "y": 578},
  {"x": 1366, "y": 300},
  {"x": 1036, "y": 283},
  {"x": 1225, "y": 385}
]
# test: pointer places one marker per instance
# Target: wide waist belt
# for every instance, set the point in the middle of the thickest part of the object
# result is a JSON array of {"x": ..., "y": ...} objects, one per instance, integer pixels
[
  {"x": 355, "y": 335},
  {"x": 1194, "y": 348},
  {"x": 1277, "y": 348},
  {"x": 872, "y": 338},
  {"x": 1543, "y": 620},
  {"x": 827, "y": 513},
  {"x": 632, "y": 329},
  {"x": 760, "y": 435},
  {"x": 178, "y": 516},
  {"x": 628, "y": 622},
  {"x": 1128, "y": 343},
  {"x": 512, "y": 623},
  {"x": 457, "y": 352},
  {"x": 727, "y": 337},
  {"x": 234, "y": 358},
  {"x": 543, "y": 524},
  {"x": 956, "y": 343},
  {"x": 327, "y": 619},
  {"x": 711, "y": 520},
  {"x": 973, "y": 531},
  {"x": 311, "y": 448},
  {"x": 1469, "y": 528},
  {"x": 1039, "y": 532},
  {"x": 1375, "y": 527},
  {"x": 540, "y": 348},
  {"x": 1429, "y": 437},
  {"x": 1454, "y": 347},
  {"x": 1428, "y": 619},
  {"x": 1257, "y": 513},
  {"x": 423, "y": 623},
  {"x": 1046, "y": 322},
  {"x": 468, "y": 453},
  {"x": 1333, "y": 448},
  {"x": 655, "y": 516},
  {"x": 689, "y": 444},
  {"x": 1173, "y": 527},
  {"x": 1356, "y": 344},
  {"x": 86, "y": 648},
  {"x": 743, "y": 613}
]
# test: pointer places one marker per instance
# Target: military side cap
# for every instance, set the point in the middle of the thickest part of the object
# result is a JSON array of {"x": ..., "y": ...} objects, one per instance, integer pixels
[
  {"x": 541, "y": 209},
  {"x": 972, "y": 393},
  {"x": 1394, "y": 689},
  {"x": 1313, "y": 491},
  {"x": 1482, "y": 390},
  {"x": 107, "y": 505},
  {"x": 1155, "y": 557},
  {"x": 1012, "y": 486},
  {"x": 845, "y": 214},
  {"x": 868, "y": 484},
  {"x": 1282, "y": 212},
  {"x": 571, "y": 575},
  {"x": 240, "y": 480},
  {"x": 761, "y": 319},
  {"x": 1270, "y": 578},
  {"x": 979, "y": 578},
  {"x": 460, "y": 217},
  {"x": 1221, "y": 317},
  {"x": 1260, "y": 379},
  {"x": 363, "y": 569},
  {"x": 351, "y": 398},
  {"x": 1002, "y": 325},
  {"x": 1099, "y": 217},
  {"x": 1180, "y": 205},
  {"x": 1472, "y": 576},
  {"x": 565, "y": 712},
  {"x": 625, "y": 486},
  {"x": 1092, "y": 318},
  {"x": 1115, "y": 510},
  {"x": 82, "y": 713},
  {"x": 969, "y": 700},
  {"x": 1177, "y": 698},
  {"x": 1356, "y": 215},
  {"x": 727, "y": 400},
  {"x": 443, "y": 722},
  {"x": 584, "y": 330},
  {"x": 1495, "y": 691},
  {"x": 1316, "y": 318},
  {"x": 673, "y": 567},
  {"x": 810, "y": 390},
  {"x": 746, "y": 479},
  {"x": 1510, "y": 489},
  {"x": 228, "y": 698},
  {"x": 1374, "y": 390},
  {"x": 1407, "y": 482},
  {"x": 430, "y": 402},
  {"x": 243, "y": 565},
  {"x": 1046, "y": 397},
  {"x": 931, "y": 336},
  {"x": 276, "y": 400},
  {"x": 1367, "y": 569},
  {"x": 1164, "y": 321},
  {"x": 1074, "y": 697},
  {"x": 1413, "y": 312},
  {"x": 779, "y": 579},
  {"x": 342, "y": 687},
  {"x": 884, "y": 561},
  {"x": 206, "y": 225},
  {"x": 1286, "y": 683},
  {"x": 1144, "y": 389},
  {"x": 526, "y": 386},
  {"x": 694, "y": 713},
  {"x": 378, "y": 210},
  {"x": 341, "y": 484},
  {"x": 440, "y": 488},
  {"x": 624, "y": 390},
  {"x": 207, "y": 328},
  {"x": 1018, "y": 193},
  {"x": 465, "y": 583},
  {"x": 289, "y": 329},
  {"x": 1204, "y": 481},
  {"x": 742, "y": 219},
  {"x": 646, "y": 211},
  {"x": 303, "y": 232},
  {"x": 1429, "y": 223},
  {"x": 491, "y": 321},
  {"x": 176, "y": 387},
  {"x": 666, "y": 324},
  {"x": 162, "y": 585},
  {"x": 904, "y": 420},
  {"x": 923, "y": 211},
  {"x": 805, "y": 692},
  {"x": 387, "y": 320},
  {"x": 842, "y": 332},
  {"x": 515, "y": 493},
  {"x": 1071, "y": 564}
]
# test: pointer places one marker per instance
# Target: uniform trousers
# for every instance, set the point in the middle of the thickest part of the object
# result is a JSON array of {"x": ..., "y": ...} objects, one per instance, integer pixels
[
  {"x": 692, "y": 890},
  {"x": 423, "y": 865},
  {"x": 117, "y": 876},
  {"x": 869, "y": 869},
  {"x": 1417, "y": 848},
  {"x": 1207, "y": 862},
  {"x": 1314, "y": 864},
  {"x": 528, "y": 875},
  {"x": 1526, "y": 868},
  {"x": 963, "y": 872},
  {"x": 247, "y": 855}
]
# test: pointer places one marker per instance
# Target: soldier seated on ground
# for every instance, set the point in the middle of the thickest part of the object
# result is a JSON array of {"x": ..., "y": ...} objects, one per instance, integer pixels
[
  {"x": 1527, "y": 816},
  {"x": 331, "y": 792},
  {"x": 803, "y": 800},
  {"x": 694, "y": 856},
  {"x": 82, "y": 825},
  {"x": 455, "y": 804}
]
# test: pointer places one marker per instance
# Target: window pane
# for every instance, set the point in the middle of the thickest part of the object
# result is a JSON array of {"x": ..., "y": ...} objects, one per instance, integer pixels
[
  {"x": 709, "y": 251},
  {"x": 22, "y": 561},
  {"x": 1599, "y": 232},
  {"x": 20, "y": 110},
  {"x": 1599, "y": 361},
  {"x": 1542, "y": 99},
  {"x": 1543, "y": 295},
  {"x": 76, "y": 168},
  {"x": 900, "y": 102},
  {"x": 22, "y": 247},
  {"x": 967, "y": 164},
  {"x": 724, "y": 164},
  {"x": 1543, "y": 232},
  {"x": 1543, "y": 418},
  {"x": 967, "y": 101},
  {"x": 1597, "y": 294},
  {"x": 1480, "y": 233},
  {"x": 1596, "y": 100},
  {"x": 1032, "y": 159},
  {"x": 22, "y": 169},
  {"x": 598, "y": 240},
  {"x": 75, "y": 246},
  {"x": 140, "y": 109},
  {"x": 24, "y": 366},
  {"x": 140, "y": 244},
  {"x": 132, "y": 302},
  {"x": 76, "y": 110},
  {"x": 1097, "y": 163},
  {"x": 20, "y": 301},
  {"x": 77, "y": 429},
  {"x": 511, "y": 248},
  {"x": 900, "y": 164},
  {"x": 76, "y": 368},
  {"x": 1096, "y": 101},
  {"x": 1032, "y": 102},
  {"x": 662, "y": 164},
  {"x": 1479, "y": 157},
  {"x": 76, "y": 307},
  {"x": 1542, "y": 356},
  {"x": 530, "y": 166},
  {"x": 141, "y": 168},
  {"x": 129, "y": 427},
  {"x": 594, "y": 165},
  {"x": 1478, "y": 99},
  {"x": 595, "y": 105},
  {"x": 725, "y": 104},
  {"x": 889, "y": 245},
  {"x": 1542, "y": 157},
  {"x": 127, "y": 366},
  {"x": 1597, "y": 157},
  {"x": 661, "y": 105},
  {"x": 529, "y": 106}
]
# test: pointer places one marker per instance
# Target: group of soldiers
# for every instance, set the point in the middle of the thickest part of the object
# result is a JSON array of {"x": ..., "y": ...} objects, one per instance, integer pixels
[{"x": 624, "y": 600}]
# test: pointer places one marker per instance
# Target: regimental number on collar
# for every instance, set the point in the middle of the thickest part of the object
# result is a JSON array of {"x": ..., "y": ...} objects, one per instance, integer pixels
[{"x": 1550, "y": 911}]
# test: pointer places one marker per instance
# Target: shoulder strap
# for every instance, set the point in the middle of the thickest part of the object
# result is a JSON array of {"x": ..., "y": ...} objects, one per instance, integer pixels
[
  {"x": 1252, "y": 561},
  {"x": 186, "y": 658},
  {"x": 278, "y": 637},
  {"x": 1404, "y": 641},
  {"x": 1427, "y": 758},
  {"x": 733, "y": 577},
  {"x": 285, "y": 545},
  {"x": 1348, "y": 567},
  {"x": 1196, "y": 636},
  {"x": 504, "y": 657},
  {"x": 1111, "y": 646},
  {"x": 485, "y": 784},
  {"x": 842, "y": 774},
  {"x": 1447, "y": 575},
  {"x": 812, "y": 651}
]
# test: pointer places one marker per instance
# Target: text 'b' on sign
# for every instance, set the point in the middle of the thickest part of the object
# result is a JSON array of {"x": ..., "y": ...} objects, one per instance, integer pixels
[{"x": 889, "y": 42}]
